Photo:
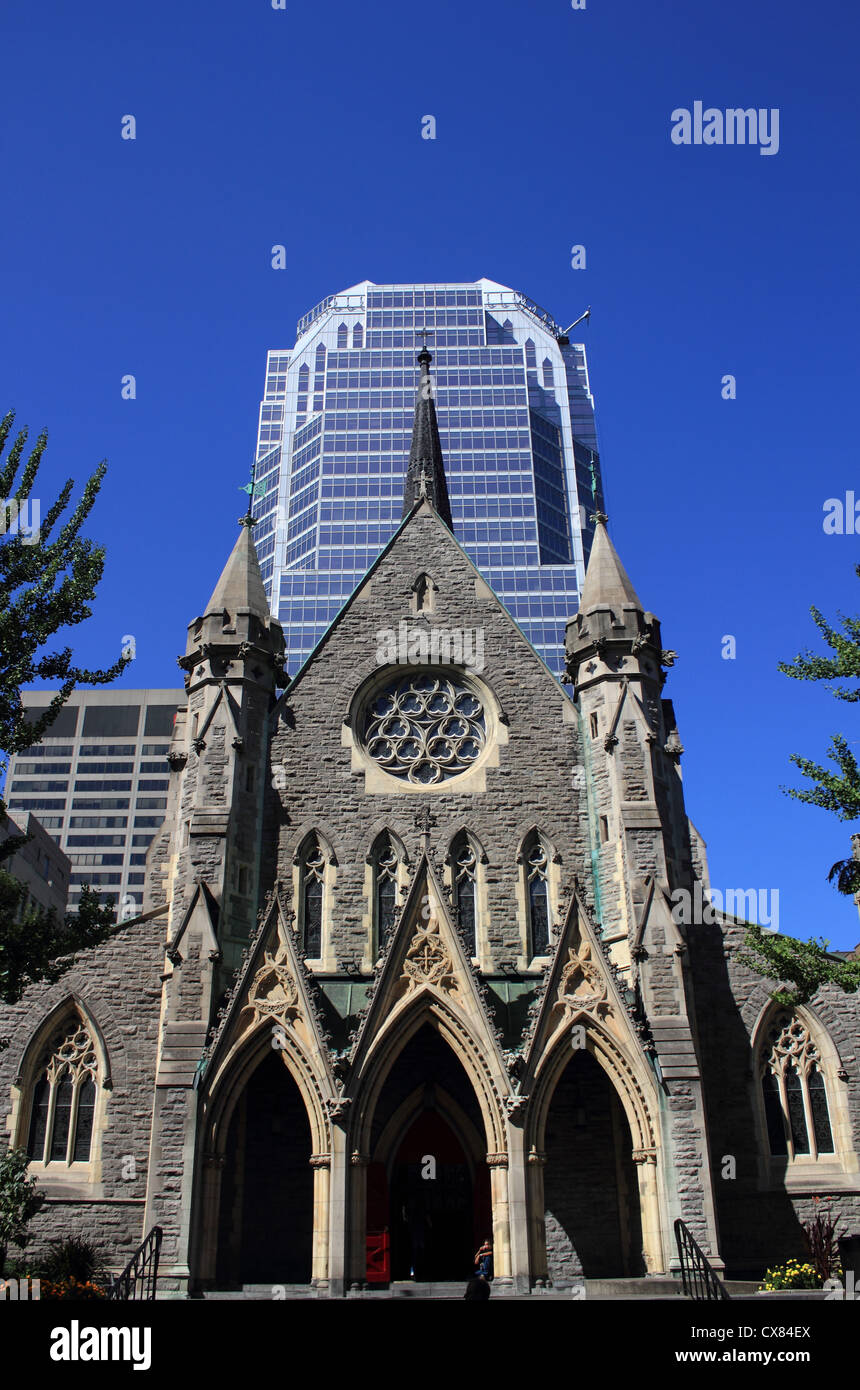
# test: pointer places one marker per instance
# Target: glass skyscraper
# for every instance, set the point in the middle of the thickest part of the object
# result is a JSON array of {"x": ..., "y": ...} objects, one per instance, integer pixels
[{"x": 516, "y": 421}]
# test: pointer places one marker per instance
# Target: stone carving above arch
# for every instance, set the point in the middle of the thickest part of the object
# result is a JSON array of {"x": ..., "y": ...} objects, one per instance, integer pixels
[{"x": 274, "y": 992}]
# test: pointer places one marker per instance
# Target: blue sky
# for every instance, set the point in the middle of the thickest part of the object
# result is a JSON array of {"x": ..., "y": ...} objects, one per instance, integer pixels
[{"x": 302, "y": 127}]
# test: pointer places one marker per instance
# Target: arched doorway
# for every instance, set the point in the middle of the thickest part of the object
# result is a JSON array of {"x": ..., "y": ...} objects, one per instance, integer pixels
[
  {"x": 266, "y": 1214},
  {"x": 428, "y": 1187},
  {"x": 591, "y": 1195}
]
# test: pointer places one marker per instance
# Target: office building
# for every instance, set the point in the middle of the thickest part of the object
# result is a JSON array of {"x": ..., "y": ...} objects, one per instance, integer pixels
[
  {"x": 97, "y": 782},
  {"x": 516, "y": 421}
]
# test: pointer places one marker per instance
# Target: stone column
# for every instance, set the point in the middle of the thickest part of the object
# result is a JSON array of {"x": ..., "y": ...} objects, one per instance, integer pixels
[
  {"x": 321, "y": 1165},
  {"x": 338, "y": 1225},
  {"x": 209, "y": 1212},
  {"x": 518, "y": 1210},
  {"x": 357, "y": 1235},
  {"x": 535, "y": 1164},
  {"x": 649, "y": 1211}
]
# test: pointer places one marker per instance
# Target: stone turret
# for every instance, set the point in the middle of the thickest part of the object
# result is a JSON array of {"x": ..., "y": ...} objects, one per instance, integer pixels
[
  {"x": 219, "y": 759},
  {"x": 617, "y": 664}
]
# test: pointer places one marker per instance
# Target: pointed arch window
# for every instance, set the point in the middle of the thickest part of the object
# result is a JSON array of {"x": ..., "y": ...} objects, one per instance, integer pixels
[
  {"x": 531, "y": 355},
  {"x": 794, "y": 1092},
  {"x": 464, "y": 878},
  {"x": 311, "y": 897},
  {"x": 64, "y": 1097},
  {"x": 385, "y": 862},
  {"x": 423, "y": 590},
  {"x": 358, "y": 335},
  {"x": 342, "y": 335},
  {"x": 548, "y": 374},
  {"x": 536, "y": 862}
]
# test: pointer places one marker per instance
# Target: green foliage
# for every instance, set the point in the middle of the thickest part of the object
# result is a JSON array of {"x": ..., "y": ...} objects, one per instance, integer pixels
[
  {"x": 44, "y": 586},
  {"x": 19, "y": 1200},
  {"x": 819, "y": 1235},
  {"x": 75, "y": 1257},
  {"x": 808, "y": 666},
  {"x": 40, "y": 946},
  {"x": 805, "y": 965},
  {"x": 837, "y": 791}
]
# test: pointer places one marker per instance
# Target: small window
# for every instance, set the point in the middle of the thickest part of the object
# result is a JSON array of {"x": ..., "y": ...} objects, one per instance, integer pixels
[
  {"x": 537, "y": 898},
  {"x": 594, "y": 725},
  {"x": 465, "y": 882},
  {"x": 358, "y": 336},
  {"x": 311, "y": 890},
  {"x": 604, "y": 829}
]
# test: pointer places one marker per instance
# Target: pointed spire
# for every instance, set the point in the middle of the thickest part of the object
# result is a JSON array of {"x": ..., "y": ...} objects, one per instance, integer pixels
[
  {"x": 241, "y": 583},
  {"x": 606, "y": 580},
  {"x": 425, "y": 475}
]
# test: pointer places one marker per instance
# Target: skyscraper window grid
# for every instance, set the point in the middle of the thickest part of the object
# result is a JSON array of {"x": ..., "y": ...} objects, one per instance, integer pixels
[{"x": 516, "y": 422}]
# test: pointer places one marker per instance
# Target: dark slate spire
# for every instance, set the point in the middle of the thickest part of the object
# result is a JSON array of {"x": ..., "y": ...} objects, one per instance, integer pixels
[{"x": 425, "y": 475}]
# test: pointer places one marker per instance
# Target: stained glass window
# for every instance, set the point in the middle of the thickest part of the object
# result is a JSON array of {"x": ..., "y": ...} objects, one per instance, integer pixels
[
  {"x": 425, "y": 728},
  {"x": 537, "y": 869},
  {"x": 313, "y": 884},
  {"x": 385, "y": 888},
  {"x": 794, "y": 1091},
  {"x": 64, "y": 1098},
  {"x": 465, "y": 892}
]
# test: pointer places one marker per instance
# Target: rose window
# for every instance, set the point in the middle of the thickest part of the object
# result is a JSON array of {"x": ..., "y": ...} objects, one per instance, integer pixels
[{"x": 425, "y": 729}]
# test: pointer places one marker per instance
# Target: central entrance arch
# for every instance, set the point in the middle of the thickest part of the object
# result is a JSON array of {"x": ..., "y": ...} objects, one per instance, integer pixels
[{"x": 428, "y": 1189}]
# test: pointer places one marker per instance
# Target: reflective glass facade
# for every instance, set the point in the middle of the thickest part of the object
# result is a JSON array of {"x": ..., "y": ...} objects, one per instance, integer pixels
[{"x": 516, "y": 421}]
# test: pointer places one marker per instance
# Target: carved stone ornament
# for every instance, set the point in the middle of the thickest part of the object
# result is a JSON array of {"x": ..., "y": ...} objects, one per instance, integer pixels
[
  {"x": 515, "y": 1105},
  {"x": 274, "y": 993},
  {"x": 337, "y": 1106},
  {"x": 582, "y": 985},
  {"x": 427, "y": 961}
]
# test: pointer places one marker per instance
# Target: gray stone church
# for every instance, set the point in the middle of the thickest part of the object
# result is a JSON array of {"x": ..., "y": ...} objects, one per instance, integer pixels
[{"x": 411, "y": 974}]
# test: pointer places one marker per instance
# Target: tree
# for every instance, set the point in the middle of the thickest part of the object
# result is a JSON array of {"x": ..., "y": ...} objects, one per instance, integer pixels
[
  {"x": 839, "y": 791},
  {"x": 47, "y": 582},
  {"x": 805, "y": 965},
  {"x": 19, "y": 1200}
]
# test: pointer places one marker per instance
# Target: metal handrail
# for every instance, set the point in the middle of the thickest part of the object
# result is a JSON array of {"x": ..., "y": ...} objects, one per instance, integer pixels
[
  {"x": 700, "y": 1281},
  {"x": 139, "y": 1278}
]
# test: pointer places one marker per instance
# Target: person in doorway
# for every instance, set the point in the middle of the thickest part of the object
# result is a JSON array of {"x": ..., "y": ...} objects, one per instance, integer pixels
[{"x": 484, "y": 1262}]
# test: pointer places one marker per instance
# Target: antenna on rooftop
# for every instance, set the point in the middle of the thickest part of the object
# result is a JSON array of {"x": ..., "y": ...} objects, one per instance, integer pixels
[{"x": 564, "y": 336}]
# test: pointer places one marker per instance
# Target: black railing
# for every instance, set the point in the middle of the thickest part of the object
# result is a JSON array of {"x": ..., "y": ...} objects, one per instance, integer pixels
[
  {"x": 699, "y": 1280},
  {"x": 140, "y": 1276}
]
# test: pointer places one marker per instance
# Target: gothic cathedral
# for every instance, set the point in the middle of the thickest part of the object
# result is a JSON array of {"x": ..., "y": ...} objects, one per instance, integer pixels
[{"x": 411, "y": 972}]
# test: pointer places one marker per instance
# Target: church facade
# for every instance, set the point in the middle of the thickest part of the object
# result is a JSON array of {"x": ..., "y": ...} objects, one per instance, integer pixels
[{"x": 411, "y": 971}]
